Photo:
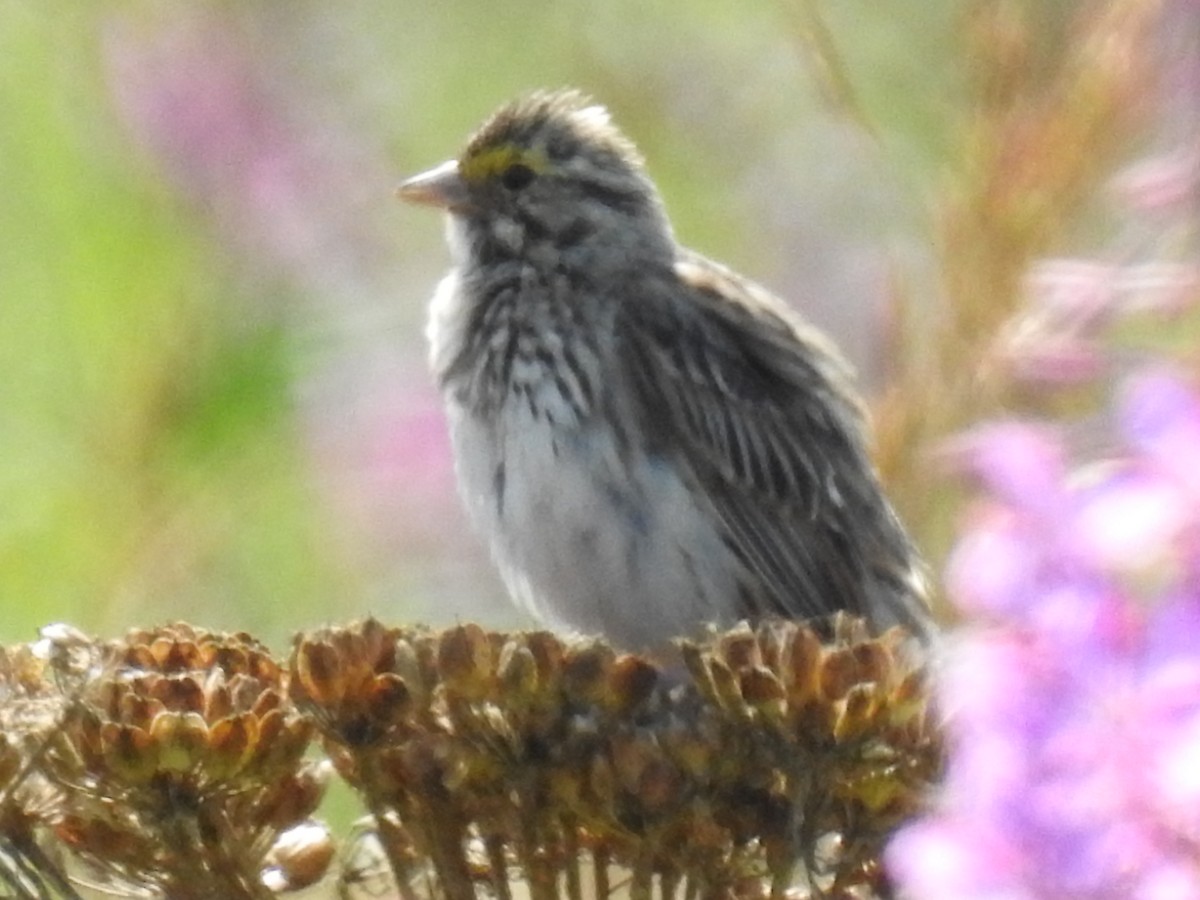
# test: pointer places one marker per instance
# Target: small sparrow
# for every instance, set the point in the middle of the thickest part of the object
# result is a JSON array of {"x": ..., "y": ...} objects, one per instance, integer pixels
[{"x": 649, "y": 441}]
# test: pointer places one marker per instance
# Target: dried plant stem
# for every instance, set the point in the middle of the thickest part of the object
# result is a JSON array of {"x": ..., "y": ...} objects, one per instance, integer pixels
[
  {"x": 498, "y": 863},
  {"x": 445, "y": 835},
  {"x": 215, "y": 869},
  {"x": 31, "y": 863},
  {"x": 540, "y": 876},
  {"x": 395, "y": 844},
  {"x": 642, "y": 886},
  {"x": 668, "y": 884},
  {"x": 600, "y": 862},
  {"x": 573, "y": 853}
]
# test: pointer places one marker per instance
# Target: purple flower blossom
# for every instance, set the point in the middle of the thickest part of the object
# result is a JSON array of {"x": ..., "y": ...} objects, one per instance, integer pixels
[
  {"x": 1075, "y": 711},
  {"x": 1073, "y": 694},
  {"x": 1162, "y": 183},
  {"x": 1060, "y": 338}
]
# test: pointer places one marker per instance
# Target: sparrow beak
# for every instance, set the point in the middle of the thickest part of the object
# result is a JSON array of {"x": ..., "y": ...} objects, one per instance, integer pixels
[{"x": 442, "y": 186}]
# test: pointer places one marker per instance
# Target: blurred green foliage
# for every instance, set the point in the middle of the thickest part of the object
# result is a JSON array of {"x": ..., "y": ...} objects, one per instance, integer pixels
[{"x": 149, "y": 468}]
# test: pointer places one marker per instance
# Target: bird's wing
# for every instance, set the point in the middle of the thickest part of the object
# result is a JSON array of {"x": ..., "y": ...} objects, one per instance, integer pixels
[{"x": 734, "y": 388}]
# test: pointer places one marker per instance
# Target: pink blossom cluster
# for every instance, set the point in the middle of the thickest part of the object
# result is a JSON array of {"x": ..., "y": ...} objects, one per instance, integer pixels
[{"x": 1074, "y": 698}]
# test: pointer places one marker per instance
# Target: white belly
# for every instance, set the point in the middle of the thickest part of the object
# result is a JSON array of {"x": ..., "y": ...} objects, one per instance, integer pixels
[{"x": 583, "y": 544}]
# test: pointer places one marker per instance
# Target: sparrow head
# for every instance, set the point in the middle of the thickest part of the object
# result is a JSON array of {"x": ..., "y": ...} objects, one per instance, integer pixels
[{"x": 549, "y": 171}]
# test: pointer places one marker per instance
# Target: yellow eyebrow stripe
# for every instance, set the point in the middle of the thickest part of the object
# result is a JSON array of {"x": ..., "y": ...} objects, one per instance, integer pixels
[{"x": 491, "y": 161}]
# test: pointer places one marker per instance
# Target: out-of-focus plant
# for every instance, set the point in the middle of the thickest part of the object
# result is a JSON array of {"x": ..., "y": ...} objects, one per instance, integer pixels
[
  {"x": 1075, "y": 705},
  {"x": 1058, "y": 93},
  {"x": 1073, "y": 691}
]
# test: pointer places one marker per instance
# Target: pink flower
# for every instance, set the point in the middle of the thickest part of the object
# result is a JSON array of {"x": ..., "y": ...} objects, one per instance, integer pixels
[{"x": 1075, "y": 710}]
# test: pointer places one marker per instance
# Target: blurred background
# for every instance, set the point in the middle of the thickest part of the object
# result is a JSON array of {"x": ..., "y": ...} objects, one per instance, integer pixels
[{"x": 213, "y": 395}]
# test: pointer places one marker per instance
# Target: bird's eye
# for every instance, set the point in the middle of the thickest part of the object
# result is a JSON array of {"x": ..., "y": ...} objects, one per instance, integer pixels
[{"x": 517, "y": 176}]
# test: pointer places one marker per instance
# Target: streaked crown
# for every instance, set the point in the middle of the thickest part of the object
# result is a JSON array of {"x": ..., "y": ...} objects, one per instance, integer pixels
[{"x": 544, "y": 132}]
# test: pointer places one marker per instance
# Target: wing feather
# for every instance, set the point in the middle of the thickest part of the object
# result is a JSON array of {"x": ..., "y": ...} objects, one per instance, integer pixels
[{"x": 756, "y": 406}]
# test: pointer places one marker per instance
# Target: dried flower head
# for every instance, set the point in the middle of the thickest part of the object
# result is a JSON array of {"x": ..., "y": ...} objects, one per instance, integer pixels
[
  {"x": 528, "y": 755},
  {"x": 30, "y": 707},
  {"x": 182, "y": 762}
]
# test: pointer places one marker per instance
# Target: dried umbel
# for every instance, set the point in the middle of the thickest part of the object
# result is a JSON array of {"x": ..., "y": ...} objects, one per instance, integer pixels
[
  {"x": 501, "y": 756},
  {"x": 182, "y": 762},
  {"x": 836, "y": 731},
  {"x": 30, "y": 707}
]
